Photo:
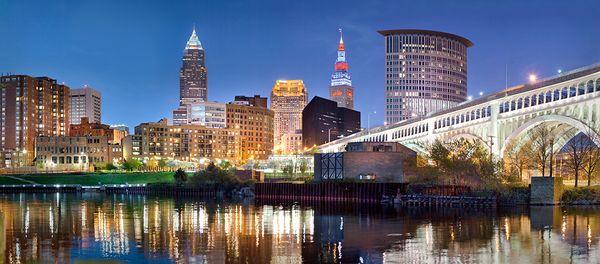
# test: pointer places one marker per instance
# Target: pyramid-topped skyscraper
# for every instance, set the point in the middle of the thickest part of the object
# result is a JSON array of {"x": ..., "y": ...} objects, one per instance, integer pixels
[{"x": 193, "y": 84}]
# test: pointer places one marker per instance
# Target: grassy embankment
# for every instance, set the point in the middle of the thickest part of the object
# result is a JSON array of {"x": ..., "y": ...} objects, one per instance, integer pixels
[{"x": 90, "y": 178}]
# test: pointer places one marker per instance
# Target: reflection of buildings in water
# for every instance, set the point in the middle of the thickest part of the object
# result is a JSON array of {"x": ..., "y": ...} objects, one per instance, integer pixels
[{"x": 42, "y": 227}]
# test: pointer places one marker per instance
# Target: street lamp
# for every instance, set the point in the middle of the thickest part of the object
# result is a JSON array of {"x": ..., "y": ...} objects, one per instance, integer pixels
[{"x": 532, "y": 78}]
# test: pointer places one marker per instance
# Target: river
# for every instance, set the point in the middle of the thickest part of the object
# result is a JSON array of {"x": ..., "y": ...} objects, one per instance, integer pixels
[{"x": 64, "y": 228}]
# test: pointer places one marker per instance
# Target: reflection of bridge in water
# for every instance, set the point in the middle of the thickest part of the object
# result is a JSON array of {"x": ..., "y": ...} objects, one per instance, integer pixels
[{"x": 570, "y": 102}]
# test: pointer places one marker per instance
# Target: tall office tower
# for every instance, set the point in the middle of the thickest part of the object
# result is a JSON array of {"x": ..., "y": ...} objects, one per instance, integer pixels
[
  {"x": 30, "y": 107},
  {"x": 288, "y": 99},
  {"x": 324, "y": 121},
  {"x": 425, "y": 71},
  {"x": 341, "y": 89},
  {"x": 253, "y": 121},
  {"x": 193, "y": 85},
  {"x": 86, "y": 102}
]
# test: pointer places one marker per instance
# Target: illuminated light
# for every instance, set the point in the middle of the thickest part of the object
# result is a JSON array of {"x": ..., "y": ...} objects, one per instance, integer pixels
[
  {"x": 532, "y": 78},
  {"x": 559, "y": 71},
  {"x": 470, "y": 98},
  {"x": 480, "y": 93}
]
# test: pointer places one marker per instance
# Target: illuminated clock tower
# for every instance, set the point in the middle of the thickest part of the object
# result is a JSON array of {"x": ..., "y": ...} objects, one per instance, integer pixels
[{"x": 341, "y": 89}]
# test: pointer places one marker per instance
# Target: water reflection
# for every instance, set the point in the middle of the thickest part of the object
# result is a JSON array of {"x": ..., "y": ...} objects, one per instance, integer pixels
[{"x": 59, "y": 228}]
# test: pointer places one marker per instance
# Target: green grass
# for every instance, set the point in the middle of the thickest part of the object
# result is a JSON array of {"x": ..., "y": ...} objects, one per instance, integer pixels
[
  {"x": 8, "y": 181},
  {"x": 93, "y": 178}
]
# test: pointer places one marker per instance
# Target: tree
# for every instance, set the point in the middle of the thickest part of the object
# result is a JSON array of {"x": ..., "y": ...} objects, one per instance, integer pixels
[
  {"x": 303, "y": 166},
  {"x": 518, "y": 158},
  {"x": 576, "y": 149},
  {"x": 132, "y": 164},
  {"x": 542, "y": 146},
  {"x": 214, "y": 176},
  {"x": 591, "y": 156},
  {"x": 180, "y": 176},
  {"x": 162, "y": 164}
]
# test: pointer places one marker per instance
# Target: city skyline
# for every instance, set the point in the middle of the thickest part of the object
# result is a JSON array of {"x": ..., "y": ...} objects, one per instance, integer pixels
[{"x": 146, "y": 90}]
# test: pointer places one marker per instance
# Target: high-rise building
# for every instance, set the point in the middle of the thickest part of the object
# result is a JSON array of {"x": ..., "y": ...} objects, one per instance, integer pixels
[
  {"x": 208, "y": 114},
  {"x": 86, "y": 102},
  {"x": 30, "y": 107},
  {"x": 341, "y": 89},
  {"x": 425, "y": 71},
  {"x": 253, "y": 121},
  {"x": 288, "y": 99},
  {"x": 324, "y": 121},
  {"x": 193, "y": 84}
]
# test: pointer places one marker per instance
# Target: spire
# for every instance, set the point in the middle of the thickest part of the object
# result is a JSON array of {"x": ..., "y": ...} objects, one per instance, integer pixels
[
  {"x": 341, "y": 45},
  {"x": 193, "y": 42}
]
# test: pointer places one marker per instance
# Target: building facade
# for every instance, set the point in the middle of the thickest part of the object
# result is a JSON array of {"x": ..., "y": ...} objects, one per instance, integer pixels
[
  {"x": 188, "y": 143},
  {"x": 426, "y": 71},
  {"x": 255, "y": 100},
  {"x": 30, "y": 107},
  {"x": 208, "y": 114},
  {"x": 253, "y": 121},
  {"x": 87, "y": 128},
  {"x": 324, "y": 121},
  {"x": 77, "y": 153},
  {"x": 366, "y": 161},
  {"x": 341, "y": 89},
  {"x": 86, "y": 102},
  {"x": 193, "y": 79},
  {"x": 288, "y": 99}
]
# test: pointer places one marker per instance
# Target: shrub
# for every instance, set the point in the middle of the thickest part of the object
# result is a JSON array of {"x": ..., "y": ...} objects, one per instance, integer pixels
[
  {"x": 180, "y": 176},
  {"x": 581, "y": 194}
]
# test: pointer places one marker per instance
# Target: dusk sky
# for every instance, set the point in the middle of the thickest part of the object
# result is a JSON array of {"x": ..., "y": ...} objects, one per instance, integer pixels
[{"x": 131, "y": 50}]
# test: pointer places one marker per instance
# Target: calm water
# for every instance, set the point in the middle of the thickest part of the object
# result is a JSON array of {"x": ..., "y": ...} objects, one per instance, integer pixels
[{"x": 127, "y": 228}]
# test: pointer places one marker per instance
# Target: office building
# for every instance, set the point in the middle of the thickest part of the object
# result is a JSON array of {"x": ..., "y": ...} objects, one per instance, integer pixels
[
  {"x": 208, "y": 114},
  {"x": 193, "y": 80},
  {"x": 30, "y": 107},
  {"x": 323, "y": 121},
  {"x": 341, "y": 90},
  {"x": 288, "y": 99},
  {"x": 426, "y": 71},
  {"x": 86, "y": 102},
  {"x": 253, "y": 121}
]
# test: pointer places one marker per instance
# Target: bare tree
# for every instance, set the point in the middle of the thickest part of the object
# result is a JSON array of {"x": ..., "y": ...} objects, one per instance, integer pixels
[
  {"x": 519, "y": 158},
  {"x": 542, "y": 146},
  {"x": 591, "y": 157},
  {"x": 577, "y": 147}
]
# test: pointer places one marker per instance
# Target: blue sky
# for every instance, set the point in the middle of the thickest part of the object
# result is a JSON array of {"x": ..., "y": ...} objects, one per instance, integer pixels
[{"x": 131, "y": 50}]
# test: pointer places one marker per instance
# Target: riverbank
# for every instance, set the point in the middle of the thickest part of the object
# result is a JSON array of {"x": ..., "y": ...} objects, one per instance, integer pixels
[{"x": 89, "y": 179}]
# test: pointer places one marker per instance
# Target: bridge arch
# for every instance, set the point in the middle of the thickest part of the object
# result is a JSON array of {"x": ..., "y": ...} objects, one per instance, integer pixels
[{"x": 572, "y": 123}]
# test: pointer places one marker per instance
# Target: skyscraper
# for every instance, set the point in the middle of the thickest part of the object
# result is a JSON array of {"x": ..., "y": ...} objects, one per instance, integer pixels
[
  {"x": 288, "y": 99},
  {"x": 86, "y": 102},
  {"x": 341, "y": 89},
  {"x": 425, "y": 71},
  {"x": 193, "y": 85}
]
